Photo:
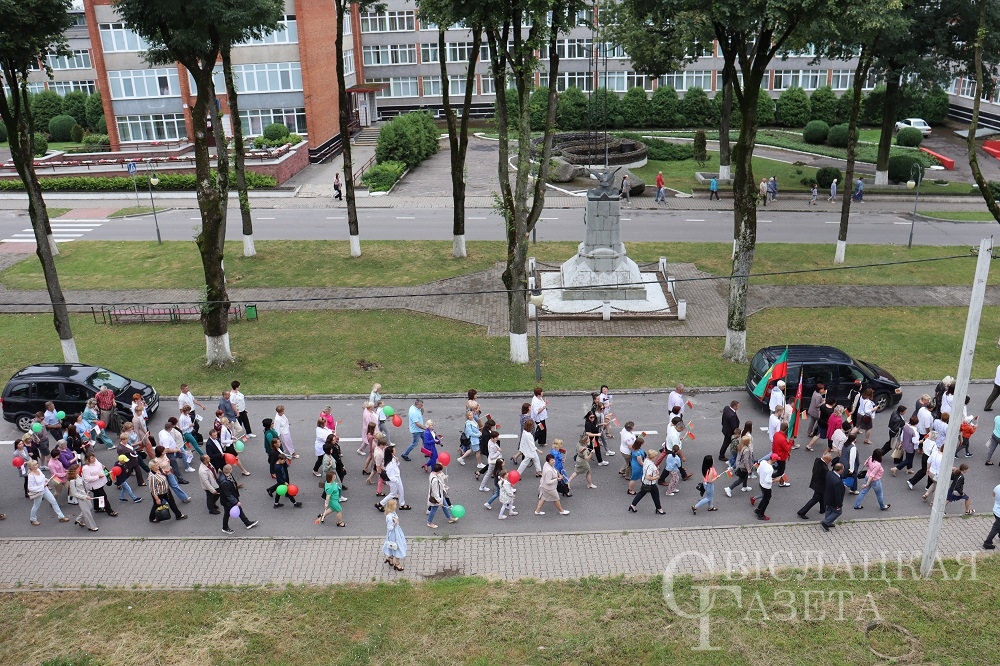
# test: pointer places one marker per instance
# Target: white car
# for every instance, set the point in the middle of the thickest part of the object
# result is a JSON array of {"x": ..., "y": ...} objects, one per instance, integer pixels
[{"x": 920, "y": 124}]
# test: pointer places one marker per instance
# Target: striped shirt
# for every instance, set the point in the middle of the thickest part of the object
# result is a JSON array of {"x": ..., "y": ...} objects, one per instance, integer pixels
[{"x": 158, "y": 484}]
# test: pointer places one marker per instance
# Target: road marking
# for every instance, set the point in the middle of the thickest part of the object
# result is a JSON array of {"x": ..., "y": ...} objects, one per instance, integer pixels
[
  {"x": 56, "y": 236},
  {"x": 694, "y": 220},
  {"x": 405, "y": 217},
  {"x": 832, "y": 222},
  {"x": 196, "y": 218},
  {"x": 62, "y": 232},
  {"x": 265, "y": 218},
  {"x": 335, "y": 218},
  {"x": 79, "y": 219},
  {"x": 548, "y": 218},
  {"x": 626, "y": 219},
  {"x": 902, "y": 222},
  {"x": 32, "y": 240},
  {"x": 765, "y": 221},
  {"x": 471, "y": 218}
]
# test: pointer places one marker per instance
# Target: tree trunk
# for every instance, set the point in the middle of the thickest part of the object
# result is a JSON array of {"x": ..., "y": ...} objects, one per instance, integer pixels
[
  {"x": 345, "y": 133},
  {"x": 860, "y": 74},
  {"x": 212, "y": 201},
  {"x": 977, "y": 173},
  {"x": 239, "y": 159},
  {"x": 728, "y": 74},
  {"x": 888, "y": 125}
]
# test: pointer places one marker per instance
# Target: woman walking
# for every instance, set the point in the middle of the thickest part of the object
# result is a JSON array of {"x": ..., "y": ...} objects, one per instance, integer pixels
[
  {"x": 637, "y": 457},
  {"x": 650, "y": 475},
  {"x": 331, "y": 488},
  {"x": 94, "y": 481},
  {"x": 159, "y": 489},
  {"x": 742, "y": 468},
  {"x": 284, "y": 430},
  {"x": 582, "y": 460},
  {"x": 437, "y": 496},
  {"x": 672, "y": 467},
  {"x": 431, "y": 442},
  {"x": 559, "y": 453},
  {"x": 592, "y": 426},
  {"x": 394, "y": 547},
  {"x": 547, "y": 487},
  {"x": 392, "y": 475},
  {"x": 368, "y": 417},
  {"x": 527, "y": 448},
  {"x": 909, "y": 442},
  {"x": 468, "y": 443},
  {"x": 38, "y": 490},
  {"x": 873, "y": 481},
  {"x": 708, "y": 476},
  {"x": 322, "y": 432},
  {"x": 77, "y": 489},
  {"x": 866, "y": 414},
  {"x": 539, "y": 414}
]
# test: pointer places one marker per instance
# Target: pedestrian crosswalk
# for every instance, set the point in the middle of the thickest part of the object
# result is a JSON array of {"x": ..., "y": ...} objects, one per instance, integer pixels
[{"x": 63, "y": 231}]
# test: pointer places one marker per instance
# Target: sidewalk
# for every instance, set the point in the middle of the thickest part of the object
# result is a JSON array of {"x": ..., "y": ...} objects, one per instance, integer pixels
[{"x": 40, "y": 563}]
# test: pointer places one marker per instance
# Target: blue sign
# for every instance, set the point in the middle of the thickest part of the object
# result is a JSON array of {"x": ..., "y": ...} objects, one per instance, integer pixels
[{"x": 131, "y": 168}]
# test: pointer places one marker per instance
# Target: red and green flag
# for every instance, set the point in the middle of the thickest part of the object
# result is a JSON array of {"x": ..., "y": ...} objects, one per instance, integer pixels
[
  {"x": 777, "y": 371},
  {"x": 794, "y": 425}
]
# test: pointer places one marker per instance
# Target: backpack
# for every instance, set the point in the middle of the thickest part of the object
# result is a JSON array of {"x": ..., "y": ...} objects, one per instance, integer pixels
[{"x": 734, "y": 444}]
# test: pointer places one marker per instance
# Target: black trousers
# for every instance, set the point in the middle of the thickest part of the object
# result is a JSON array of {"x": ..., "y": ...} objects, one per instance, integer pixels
[
  {"x": 212, "y": 500},
  {"x": 817, "y": 498},
  {"x": 923, "y": 470},
  {"x": 765, "y": 499},
  {"x": 994, "y": 531},
  {"x": 244, "y": 420},
  {"x": 169, "y": 499},
  {"x": 651, "y": 490},
  {"x": 779, "y": 469},
  {"x": 724, "y": 451},
  {"x": 994, "y": 394},
  {"x": 540, "y": 434},
  {"x": 226, "y": 508}
]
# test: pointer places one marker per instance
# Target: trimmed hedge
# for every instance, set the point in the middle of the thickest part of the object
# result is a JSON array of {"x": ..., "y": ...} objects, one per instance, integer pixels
[
  {"x": 96, "y": 140},
  {"x": 45, "y": 106},
  {"x": 263, "y": 142},
  {"x": 826, "y": 175},
  {"x": 660, "y": 150},
  {"x": 793, "y": 108},
  {"x": 61, "y": 128},
  {"x": 76, "y": 134},
  {"x": 382, "y": 176},
  {"x": 275, "y": 132},
  {"x": 119, "y": 183},
  {"x": 909, "y": 136},
  {"x": 816, "y": 132},
  {"x": 571, "y": 112},
  {"x": 41, "y": 145},
  {"x": 837, "y": 136},
  {"x": 900, "y": 166},
  {"x": 409, "y": 138},
  {"x": 823, "y": 105}
]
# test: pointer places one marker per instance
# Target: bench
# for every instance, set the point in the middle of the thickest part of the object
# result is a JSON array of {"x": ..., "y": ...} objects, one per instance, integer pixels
[{"x": 144, "y": 314}]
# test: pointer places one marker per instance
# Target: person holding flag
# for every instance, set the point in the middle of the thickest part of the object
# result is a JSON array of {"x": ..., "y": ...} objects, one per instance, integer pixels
[
  {"x": 796, "y": 414},
  {"x": 778, "y": 371},
  {"x": 781, "y": 449}
]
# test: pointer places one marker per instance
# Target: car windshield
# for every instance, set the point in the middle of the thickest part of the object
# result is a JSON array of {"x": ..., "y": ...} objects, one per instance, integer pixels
[
  {"x": 104, "y": 377},
  {"x": 759, "y": 364},
  {"x": 865, "y": 368}
]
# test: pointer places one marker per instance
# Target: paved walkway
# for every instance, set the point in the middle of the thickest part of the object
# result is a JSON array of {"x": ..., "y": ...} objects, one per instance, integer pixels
[{"x": 36, "y": 563}]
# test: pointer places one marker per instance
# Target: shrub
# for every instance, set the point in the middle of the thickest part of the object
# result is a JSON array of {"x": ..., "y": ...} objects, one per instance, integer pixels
[
  {"x": 382, "y": 176},
  {"x": 899, "y": 167},
  {"x": 537, "y": 107},
  {"x": 700, "y": 148},
  {"x": 765, "y": 108},
  {"x": 96, "y": 140},
  {"x": 510, "y": 95},
  {"x": 409, "y": 138},
  {"x": 663, "y": 107},
  {"x": 262, "y": 142},
  {"x": 119, "y": 183},
  {"x": 604, "y": 108},
  {"x": 873, "y": 107},
  {"x": 571, "y": 113},
  {"x": 823, "y": 105},
  {"x": 45, "y": 106},
  {"x": 680, "y": 120},
  {"x": 826, "y": 175},
  {"x": 936, "y": 106},
  {"x": 838, "y": 136},
  {"x": 995, "y": 188},
  {"x": 844, "y": 103},
  {"x": 275, "y": 131},
  {"x": 60, "y": 127},
  {"x": 696, "y": 107},
  {"x": 3, "y": 132},
  {"x": 792, "y": 108},
  {"x": 75, "y": 104},
  {"x": 95, "y": 114},
  {"x": 664, "y": 151},
  {"x": 101, "y": 127},
  {"x": 635, "y": 108},
  {"x": 911, "y": 102},
  {"x": 41, "y": 144},
  {"x": 909, "y": 136},
  {"x": 76, "y": 134},
  {"x": 816, "y": 132}
]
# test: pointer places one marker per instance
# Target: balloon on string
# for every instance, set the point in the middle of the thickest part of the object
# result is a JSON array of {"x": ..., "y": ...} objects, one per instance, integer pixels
[
  {"x": 36, "y": 428},
  {"x": 458, "y": 511},
  {"x": 231, "y": 459},
  {"x": 234, "y": 512},
  {"x": 239, "y": 446},
  {"x": 513, "y": 477},
  {"x": 444, "y": 458},
  {"x": 281, "y": 490},
  {"x": 60, "y": 415},
  {"x": 116, "y": 471},
  {"x": 388, "y": 410},
  {"x": 101, "y": 425},
  {"x": 293, "y": 490},
  {"x": 397, "y": 421},
  {"x": 17, "y": 462}
]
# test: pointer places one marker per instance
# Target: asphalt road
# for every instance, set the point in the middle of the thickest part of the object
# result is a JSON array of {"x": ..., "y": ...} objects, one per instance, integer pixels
[
  {"x": 555, "y": 225},
  {"x": 600, "y": 509}
]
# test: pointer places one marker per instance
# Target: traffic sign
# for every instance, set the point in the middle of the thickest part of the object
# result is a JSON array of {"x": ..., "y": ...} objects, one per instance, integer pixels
[{"x": 131, "y": 168}]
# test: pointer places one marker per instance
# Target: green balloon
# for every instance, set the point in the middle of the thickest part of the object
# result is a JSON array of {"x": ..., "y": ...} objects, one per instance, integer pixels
[
  {"x": 60, "y": 415},
  {"x": 239, "y": 446},
  {"x": 388, "y": 411},
  {"x": 281, "y": 490},
  {"x": 36, "y": 427},
  {"x": 458, "y": 511}
]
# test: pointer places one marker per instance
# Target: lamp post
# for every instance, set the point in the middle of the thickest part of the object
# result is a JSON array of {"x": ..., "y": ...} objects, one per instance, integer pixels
[
  {"x": 916, "y": 171},
  {"x": 152, "y": 181},
  {"x": 537, "y": 298}
]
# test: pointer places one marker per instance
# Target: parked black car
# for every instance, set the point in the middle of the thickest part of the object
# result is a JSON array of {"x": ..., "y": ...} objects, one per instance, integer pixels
[
  {"x": 829, "y": 365},
  {"x": 69, "y": 386}
]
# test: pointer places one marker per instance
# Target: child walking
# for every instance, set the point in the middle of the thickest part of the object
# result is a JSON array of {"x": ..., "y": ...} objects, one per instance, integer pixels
[{"x": 507, "y": 491}]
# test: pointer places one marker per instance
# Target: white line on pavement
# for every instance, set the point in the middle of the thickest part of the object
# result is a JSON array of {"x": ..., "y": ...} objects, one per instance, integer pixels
[
  {"x": 548, "y": 218},
  {"x": 56, "y": 236},
  {"x": 405, "y": 217},
  {"x": 335, "y": 218},
  {"x": 765, "y": 221},
  {"x": 832, "y": 222},
  {"x": 694, "y": 220},
  {"x": 626, "y": 219},
  {"x": 901, "y": 223},
  {"x": 265, "y": 218},
  {"x": 471, "y": 218}
]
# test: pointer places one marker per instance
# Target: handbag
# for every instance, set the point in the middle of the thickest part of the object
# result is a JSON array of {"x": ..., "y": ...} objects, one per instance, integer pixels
[
  {"x": 383, "y": 475},
  {"x": 562, "y": 488},
  {"x": 700, "y": 488},
  {"x": 897, "y": 452},
  {"x": 391, "y": 545},
  {"x": 162, "y": 513},
  {"x": 424, "y": 450},
  {"x": 866, "y": 421}
]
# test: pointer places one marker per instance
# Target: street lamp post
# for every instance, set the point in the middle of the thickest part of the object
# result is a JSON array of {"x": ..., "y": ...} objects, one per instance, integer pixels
[
  {"x": 537, "y": 298},
  {"x": 151, "y": 182},
  {"x": 916, "y": 171}
]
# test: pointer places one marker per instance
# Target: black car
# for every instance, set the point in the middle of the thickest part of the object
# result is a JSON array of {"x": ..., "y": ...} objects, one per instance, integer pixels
[
  {"x": 69, "y": 386},
  {"x": 829, "y": 365}
]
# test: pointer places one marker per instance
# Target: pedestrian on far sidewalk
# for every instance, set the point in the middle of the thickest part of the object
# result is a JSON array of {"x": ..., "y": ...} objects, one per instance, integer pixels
[
  {"x": 338, "y": 187},
  {"x": 713, "y": 189},
  {"x": 833, "y": 191},
  {"x": 661, "y": 191}
]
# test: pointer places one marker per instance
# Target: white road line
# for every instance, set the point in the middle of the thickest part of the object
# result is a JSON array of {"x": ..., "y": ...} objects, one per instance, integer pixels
[
  {"x": 405, "y": 217},
  {"x": 471, "y": 218},
  {"x": 79, "y": 219},
  {"x": 65, "y": 240},
  {"x": 265, "y": 218},
  {"x": 335, "y": 218},
  {"x": 626, "y": 219},
  {"x": 832, "y": 222},
  {"x": 54, "y": 235},
  {"x": 16, "y": 240},
  {"x": 195, "y": 218},
  {"x": 548, "y": 218},
  {"x": 694, "y": 220},
  {"x": 765, "y": 221},
  {"x": 902, "y": 222},
  {"x": 77, "y": 223}
]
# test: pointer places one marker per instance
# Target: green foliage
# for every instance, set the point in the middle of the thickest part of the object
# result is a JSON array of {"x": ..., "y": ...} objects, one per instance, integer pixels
[
  {"x": 700, "y": 148},
  {"x": 765, "y": 108},
  {"x": 793, "y": 108},
  {"x": 95, "y": 114},
  {"x": 995, "y": 188},
  {"x": 823, "y": 105},
  {"x": 911, "y": 102},
  {"x": 816, "y": 132},
  {"x": 409, "y": 138},
  {"x": 96, "y": 140},
  {"x": 873, "y": 107},
  {"x": 844, "y": 103},
  {"x": 116, "y": 184},
  {"x": 660, "y": 150},
  {"x": 510, "y": 97},
  {"x": 75, "y": 104},
  {"x": 936, "y": 106},
  {"x": 263, "y": 142},
  {"x": 41, "y": 145},
  {"x": 75, "y": 659},
  {"x": 538, "y": 107},
  {"x": 696, "y": 107},
  {"x": 909, "y": 136},
  {"x": 571, "y": 113},
  {"x": 45, "y": 106},
  {"x": 838, "y": 136},
  {"x": 826, "y": 175},
  {"x": 899, "y": 167},
  {"x": 76, "y": 134},
  {"x": 60, "y": 127},
  {"x": 3, "y": 132},
  {"x": 663, "y": 107},
  {"x": 635, "y": 107},
  {"x": 382, "y": 176},
  {"x": 605, "y": 108},
  {"x": 275, "y": 131}
]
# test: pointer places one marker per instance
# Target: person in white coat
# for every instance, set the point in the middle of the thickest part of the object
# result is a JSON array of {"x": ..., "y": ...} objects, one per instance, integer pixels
[
  {"x": 284, "y": 431},
  {"x": 395, "y": 481},
  {"x": 528, "y": 450}
]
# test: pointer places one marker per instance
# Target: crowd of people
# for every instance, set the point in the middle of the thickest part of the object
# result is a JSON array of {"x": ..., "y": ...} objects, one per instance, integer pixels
[{"x": 57, "y": 457}]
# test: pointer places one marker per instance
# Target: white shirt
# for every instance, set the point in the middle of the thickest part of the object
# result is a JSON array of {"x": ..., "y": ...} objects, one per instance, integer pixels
[
  {"x": 527, "y": 444},
  {"x": 673, "y": 438},
  {"x": 539, "y": 410},
  {"x": 773, "y": 425},
  {"x": 866, "y": 408},
  {"x": 185, "y": 424},
  {"x": 777, "y": 398},
  {"x": 238, "y": 401},
  {"x": 924, "y": 420},
  {"x": 321, "y": 435},
  {"x": 675, "y": 399},
  {"x": 185, "y": 399},
  {"x": 604, "y": 400},
  {"x": 166, "y": 440},
  {"x": 392, "y": 471},
  {"x": 764, "y": 473},
  {"x": 649, "y": 471},
  {"x": 281, "y": 424},
  {"x": 946, "y": 401},
  {"x": 934, "y": 462},
  {"x": 996, "y": 380},
  {"x": 941, "y": 428},
  {"x": 627, "y": 440},
  {"x": 929, "y": 446}
]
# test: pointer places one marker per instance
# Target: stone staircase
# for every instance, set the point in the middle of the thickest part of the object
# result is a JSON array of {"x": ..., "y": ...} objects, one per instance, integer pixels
[{"x": 368, "y": 136}]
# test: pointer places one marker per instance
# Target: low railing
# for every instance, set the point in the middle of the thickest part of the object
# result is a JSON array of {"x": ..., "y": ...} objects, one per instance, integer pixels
[{"x": 361, "y": 172}]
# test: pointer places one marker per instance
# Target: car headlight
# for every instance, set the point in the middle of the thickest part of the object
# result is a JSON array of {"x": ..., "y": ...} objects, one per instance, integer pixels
[{"x": 899, "y": 391}]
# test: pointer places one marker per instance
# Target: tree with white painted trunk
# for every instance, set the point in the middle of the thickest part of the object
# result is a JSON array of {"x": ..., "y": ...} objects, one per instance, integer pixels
[{"x": 29, "y": 32}]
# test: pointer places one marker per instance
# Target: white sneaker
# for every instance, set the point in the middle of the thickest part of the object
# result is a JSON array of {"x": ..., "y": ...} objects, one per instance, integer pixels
[
  {"x": 461, "y": 461},
  {"x": 513, "y": 513},
  {"x": 747, "y": 489},
  {"x": 564, "y": 513},
  {"x": 611, "y": 453},
  {"x": 189, "y": 469},
  {"x": 251, "y": 435},
  {"x": 488, "y": 506},
  {"x": 729, "y": 493},
  {"x": 501, "y": 517},
  {"x": 539, "y": 513},
  {"x": 603, "y": 463},
  {"x": 591, "y": 486}
]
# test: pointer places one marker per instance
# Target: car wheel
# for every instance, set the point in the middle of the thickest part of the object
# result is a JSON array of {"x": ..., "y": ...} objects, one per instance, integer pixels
[
  {"x": 24, "y": 422},
  {"x": 881, "y": 401}
]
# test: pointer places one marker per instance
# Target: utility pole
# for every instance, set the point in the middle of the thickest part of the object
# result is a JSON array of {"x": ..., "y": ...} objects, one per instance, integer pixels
[{"x": 961, "y": 390}]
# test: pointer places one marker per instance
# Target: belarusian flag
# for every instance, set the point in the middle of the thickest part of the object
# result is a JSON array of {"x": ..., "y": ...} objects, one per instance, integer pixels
[
  {"x": 794, "y": 426},
  {"x": 777, "y": 371}
]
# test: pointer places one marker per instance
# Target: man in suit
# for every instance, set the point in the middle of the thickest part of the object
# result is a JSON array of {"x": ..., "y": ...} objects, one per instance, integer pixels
[
  {"x": 730, "y": 425},
  {"x": 230, "y": 494},
  {"x": 817, "y": 484},
  {"x": 213, "y": 447},
  {"x": 209, "y": 479},
  {"x": 833, "y": 497}
]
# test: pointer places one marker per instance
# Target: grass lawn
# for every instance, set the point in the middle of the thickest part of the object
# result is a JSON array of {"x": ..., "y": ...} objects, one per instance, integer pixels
[
  {"x": 98, "y": 264},
  {"x": 64, "y": 145},
  {"x": 468, "y": 620},
  {"x": 680, "y": 175},
  {"x": 134, "y": 210},
  {"x": 57, "y": 212},
  {"x": 318, "y": 352},
  {"x": 961, "y": 215}
]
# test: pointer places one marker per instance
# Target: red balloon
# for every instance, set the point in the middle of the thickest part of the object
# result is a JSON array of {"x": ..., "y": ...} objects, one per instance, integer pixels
[
  {"x": 116, "y": 471},
  {"x": 100, "y": 424},
  {"x": 397, "y": 420},
  {"x": 17, "y": 462},
  {"x": 293, "y": 490},
  {"x": 513, "y": 477},
  {"x": 444, "y": 458},
  {"x": 230, "y": 459}
]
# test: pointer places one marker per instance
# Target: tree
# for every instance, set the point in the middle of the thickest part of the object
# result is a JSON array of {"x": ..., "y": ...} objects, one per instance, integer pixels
[
  {"x": 538, "y": 107},
  {"x": 572, "y": 109},
  {"x": 696, "y": 107},
  {"x": 605, "y": 107},
  {"x": 193, "y": 33},
  {"x": 823, "y": 105},
  {"x": 635, "y": 107},
  {"x": 95, "y": 114},
  {"x": 45, "y": 106},
  {"x": 792, "y": 109},
  {"x": 511, "y": 51},
  {"x": 75, "y": 104},
  {"x": 31, "y": 29},
  {"x": 663, "y": 107}
]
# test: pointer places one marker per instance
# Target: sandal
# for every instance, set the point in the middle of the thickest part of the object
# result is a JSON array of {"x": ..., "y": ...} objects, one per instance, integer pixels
[
  {"x": 246, "y": 473},
  {"x": 397, "y": 567},
  {"x": 714, "y": 508},
  {"x": 405, "y": 507},
  {"x": 970, "y": 512},
  {"x": 341, "y": 524},
  {"x": 660, "y": 511}
]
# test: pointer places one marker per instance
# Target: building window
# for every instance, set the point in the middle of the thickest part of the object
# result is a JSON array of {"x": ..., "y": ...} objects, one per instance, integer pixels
[
  {"x": 785, "y": 78},
  {"x": 636, "y": 80},
  {"x": 348, "y": 62},
  {"x": 968, "y": 88},
  {"x": 487, "y": 86},
  {"x": 605, "y": 50},
  {"x": 432, "y": 86},
  {"x": 456, "y": 84},
  {"x": 953, "y": 87},
  {"x": 255, "y": 120},
  {"x": 842, "y": 79},
  {"x": 118, "y": 37},
  {"x": 460, "y": 51},
  {"x": 151, "y": 127},
  {"x": 399, "y": 86},
  {"x": 143, "y": 83},
  {"x": 78, "y": 20},
  {"x": 429, "y": 53},
  {"x": 574, "y": 49},
  {"x": 287, "y": 33},
  {"x": 582, "y": 80},
  {"x": 808, "y": 52},
  {"x": 63, "y": 87},
  {"x": 674, "y": 80},
  {"x": 996, "y": 95},
  {"x": 873, "y": 80},
  {"x": 615, "y": 81},
  {"x": 390, "y": 54},
  {"x": 813, "y": 78},
  {"x": 698, "y": 79},
  {"x": 388, "y": 22},
  {"x": 268, "y": 77},
  {"x": 428, "y": 26},
  {"x": 76, "y": 60}
]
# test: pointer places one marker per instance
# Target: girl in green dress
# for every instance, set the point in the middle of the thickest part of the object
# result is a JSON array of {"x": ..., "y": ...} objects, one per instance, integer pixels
[{"x": 332, "y": 489}]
